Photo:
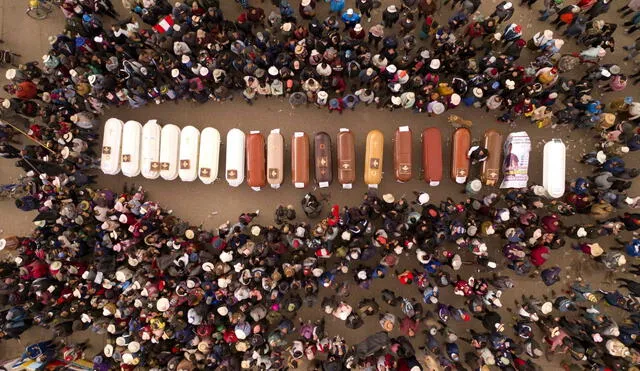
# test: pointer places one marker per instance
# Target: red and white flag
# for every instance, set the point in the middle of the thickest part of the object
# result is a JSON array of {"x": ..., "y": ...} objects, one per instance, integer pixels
[{"x": 164, "y": 24}]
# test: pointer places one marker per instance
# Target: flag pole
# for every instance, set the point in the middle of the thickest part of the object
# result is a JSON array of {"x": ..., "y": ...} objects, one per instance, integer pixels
[{"x": 28, "y": 136}]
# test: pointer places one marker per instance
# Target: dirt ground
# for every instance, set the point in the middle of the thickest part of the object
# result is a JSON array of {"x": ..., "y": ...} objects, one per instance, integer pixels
[{"x": 211, "y": 205}]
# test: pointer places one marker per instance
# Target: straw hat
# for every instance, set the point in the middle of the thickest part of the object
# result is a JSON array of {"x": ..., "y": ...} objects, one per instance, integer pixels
[
  {"x": 477, "y": 92},
  {"x": 273, "y": 71},
  {"x": 388, "y": 198},
  {"x": 392, "y": 9},
  {"x": 396, "y": 100},
  {"x": 434, "y": 64}
]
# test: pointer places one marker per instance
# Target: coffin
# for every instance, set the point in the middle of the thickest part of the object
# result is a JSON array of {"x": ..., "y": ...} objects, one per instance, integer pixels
[
  {"x": 150, "y": 161},
  {"x": 323, "y": 160},
  {"x": 515, "y": 166},
  {"x": 131, "y": 138},
  {"x": 169, "y": 151},
  {"x": 188, "y": 159},
  {"x": 111, "y": 147},
  {"x": 460, "y": 144},
  {"x": 234, "y": 172},
  {"x": 402, "y": 154},
  {"x": 373, "y": 158},
  {"x": 300, "y": 159},
  {"x": 275, "y": 158},
  {"x": 491, "y": 166},
  {"x": 256, "y": 161},
  {"x": 432, "y": 156},
  {"x": 346, "y": 149},
  {"x": 209, "y": 155},
  {"x": 554, "y": 168}
]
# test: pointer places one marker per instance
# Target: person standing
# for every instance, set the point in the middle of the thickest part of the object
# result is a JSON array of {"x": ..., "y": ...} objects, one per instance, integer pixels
[
  {"x": 350, "y": 19},
  {"x": 364, "y": 7}
]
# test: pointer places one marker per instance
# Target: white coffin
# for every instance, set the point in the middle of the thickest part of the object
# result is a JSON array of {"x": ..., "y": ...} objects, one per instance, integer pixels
[
  {"x": 554, "y": 168},
  {"x": 150, "y": 163},
  {"x": 188, "y": 159},
  {"x": 209, "y": 155},
  {"x": 234, "y": 172},
  {"x": 169, "y": 151},
  {"x": 131, "y": 138},
  {"x": 111, "y": 147},
  {"x": 275, "y": 158}
]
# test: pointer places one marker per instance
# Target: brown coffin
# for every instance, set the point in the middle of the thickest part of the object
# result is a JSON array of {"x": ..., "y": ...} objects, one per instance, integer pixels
[
  {"x": 460, "y": 144},
  {"x": 432, "y": 156},
  {"x": 256, "y": 161},
  {"x": 323, "y": 161},
  {"x": 402, "y": 150},
  {"x": 346, "y": 158},
  {"x": 491, "y": 167},
  {"x": 300, "y": 160}
]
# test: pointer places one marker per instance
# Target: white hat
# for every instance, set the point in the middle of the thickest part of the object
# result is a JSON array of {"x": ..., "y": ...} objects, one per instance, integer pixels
[
  {"x": 358, "y": 27},
  {"x": 108, "y": 350},
  {"x": 163, "y": 304},
  {"x": 92, "y": 79},
  {"x": 606, "y": 73},
  {"x": 204, "y": 71},
  {"x": 548, "y": 34},
  {"x": 388, "y": 198},
  {"x": 615, "y": 69},
  {"x": 127, "y": 358},
  {"x": 6, "y": 103},
  {"x": 423, "y": 198},
  {"x": 546, "y": 308},
  {"x": 56, "y": 265},
  {"x": 455, "y": 99},
  {"x": 508, "y": 5},
  {"x": 185, "y": 58},
  {"x": 73, "y": 73},
  {"x": 350, "y": 11},
  {"x": 396, "y": 100},
  {"x": 223, "y": 311},
  {"x": 98, "y": 39},
  {"x": 392, "y": 68},
  {"x": 510, "y": 84},
  {"x": 305, "y": 2},
  {"x": 477, "y": 92},
  {"x": 273, "y": 71},
  {"x": 52, "y": 39},
  {"x": 425, "y": 54},
  {"x": 438, "y": 108},
  {"x": 434, "y": 64},
  {"x": 175, "y": 73},
  {"x": 392, "y": 9}
]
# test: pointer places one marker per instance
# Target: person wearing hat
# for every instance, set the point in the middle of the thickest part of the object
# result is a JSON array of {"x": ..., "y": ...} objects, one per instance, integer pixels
[
  {"x": 350, "y": 19},
  {"x": 504, "y": 11},
  {"x": 390, "y": 16},
  {"x": 307, "y": 9},
  {"x": 357, "y": 33}
]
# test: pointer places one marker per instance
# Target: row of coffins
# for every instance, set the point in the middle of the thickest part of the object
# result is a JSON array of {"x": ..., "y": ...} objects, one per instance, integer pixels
[{"x": 188, "y": 153}]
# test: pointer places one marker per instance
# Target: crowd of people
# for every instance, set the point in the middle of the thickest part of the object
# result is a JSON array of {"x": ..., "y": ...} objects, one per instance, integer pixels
[{"x": 172, "y": 295}]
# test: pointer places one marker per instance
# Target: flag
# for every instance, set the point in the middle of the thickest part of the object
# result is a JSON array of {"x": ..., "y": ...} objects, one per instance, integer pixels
[{"x": 164, "y": 24}]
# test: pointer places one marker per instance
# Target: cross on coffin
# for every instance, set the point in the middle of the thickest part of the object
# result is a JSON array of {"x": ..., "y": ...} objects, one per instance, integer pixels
[
  {"x": 126, "y": 158},
  {"x": 232, "y": 174},
  {"x": 155, "y": 165},
  {"x": 273, "y": 173},
  {"x": 323, "y": 161},
  {"x": 164, "y": 166},
  {"x": 204, "y": 171},
  {"x": 106, "y": 150},
  {"x": 375, "y": 163},
  {"x": 184, "y": 164}
]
